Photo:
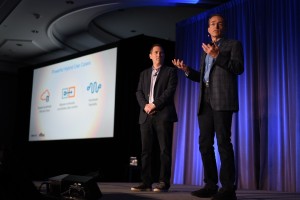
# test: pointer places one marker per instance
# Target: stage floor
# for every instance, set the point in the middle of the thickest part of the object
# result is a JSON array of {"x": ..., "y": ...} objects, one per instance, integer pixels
[{"x": 121, "y": 191}]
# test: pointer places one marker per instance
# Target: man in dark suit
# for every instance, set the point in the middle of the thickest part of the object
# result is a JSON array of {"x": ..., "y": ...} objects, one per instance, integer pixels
[
  {"x": 221, "y": 62},
  {"x": 155, "y": 95}
]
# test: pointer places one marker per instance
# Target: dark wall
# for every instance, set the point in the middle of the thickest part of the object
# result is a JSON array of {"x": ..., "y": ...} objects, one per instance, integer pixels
[
  {"x": 8, "y": 102},
  {"x": 109, "y": 157}
]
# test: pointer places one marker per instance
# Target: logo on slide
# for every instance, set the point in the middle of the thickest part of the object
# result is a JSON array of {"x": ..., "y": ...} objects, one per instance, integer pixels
[
  {"x": 94, "y": 87},
  {"x": 45, "y": 96},
  {"x": 68, "y": 92}
]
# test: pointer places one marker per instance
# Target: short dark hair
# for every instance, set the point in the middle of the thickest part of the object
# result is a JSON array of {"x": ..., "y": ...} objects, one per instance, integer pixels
[
  {"x": 156, "y": 45},
  {"x": 214, "y": 15}
]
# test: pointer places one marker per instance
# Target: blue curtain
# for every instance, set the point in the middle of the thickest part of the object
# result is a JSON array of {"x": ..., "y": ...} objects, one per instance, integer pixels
[{"x": 266, "y": 130}]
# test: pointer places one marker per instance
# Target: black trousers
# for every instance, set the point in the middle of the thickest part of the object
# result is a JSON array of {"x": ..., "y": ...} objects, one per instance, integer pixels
[
  {"x": 217, "y": 123},
  {"x": 163, "y": 130}
]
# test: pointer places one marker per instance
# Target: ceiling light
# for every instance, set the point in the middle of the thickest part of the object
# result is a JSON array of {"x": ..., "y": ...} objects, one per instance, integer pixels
[
  {"x": 69, "y": 2},
  {"x": 36, "y": 15}
]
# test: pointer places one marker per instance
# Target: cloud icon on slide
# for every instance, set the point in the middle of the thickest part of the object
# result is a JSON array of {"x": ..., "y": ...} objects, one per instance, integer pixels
[{"x": 45, "y": 96}]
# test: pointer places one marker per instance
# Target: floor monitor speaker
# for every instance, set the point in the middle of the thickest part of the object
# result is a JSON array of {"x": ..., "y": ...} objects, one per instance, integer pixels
[{"x": 75, "y": 187}]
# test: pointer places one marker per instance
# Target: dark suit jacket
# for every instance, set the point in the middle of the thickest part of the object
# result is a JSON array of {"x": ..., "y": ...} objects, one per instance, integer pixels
[
  {"x": 164, "y": 92},
  {"x": 223, "y": 76}
]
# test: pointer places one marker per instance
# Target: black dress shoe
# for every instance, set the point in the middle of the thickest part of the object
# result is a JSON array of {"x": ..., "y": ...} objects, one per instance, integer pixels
[
  {"x": 142, "y": 187},
  {"x": 225, "y": 194},
  {"x": 205, "y": 192},
  {"x": 162, "y": 187}
]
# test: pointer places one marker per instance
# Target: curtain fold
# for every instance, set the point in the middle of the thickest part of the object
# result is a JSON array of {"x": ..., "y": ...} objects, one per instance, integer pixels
[{"x": 266, "y": 130}]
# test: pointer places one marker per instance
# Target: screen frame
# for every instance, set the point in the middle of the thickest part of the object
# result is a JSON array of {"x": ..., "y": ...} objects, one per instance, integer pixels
[{"x": 65, "y": 59}]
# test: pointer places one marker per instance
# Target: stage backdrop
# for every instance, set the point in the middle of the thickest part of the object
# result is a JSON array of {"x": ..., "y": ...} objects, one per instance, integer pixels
[{"x": 266, "y": 130}]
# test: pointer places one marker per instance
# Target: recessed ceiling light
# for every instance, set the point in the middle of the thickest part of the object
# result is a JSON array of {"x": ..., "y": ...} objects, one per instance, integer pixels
[
  {"x": 36, "y": 15},
  {"x": 69, "y": 2}
]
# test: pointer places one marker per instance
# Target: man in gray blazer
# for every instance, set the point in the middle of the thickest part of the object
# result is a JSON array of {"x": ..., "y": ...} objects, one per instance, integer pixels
[
  {"x": 155, "y": 95},
  {"x": 221, "y": 62}
]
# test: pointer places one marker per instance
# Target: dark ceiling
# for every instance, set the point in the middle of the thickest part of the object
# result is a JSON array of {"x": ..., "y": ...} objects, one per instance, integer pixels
[{"x": 36, "y": 31}]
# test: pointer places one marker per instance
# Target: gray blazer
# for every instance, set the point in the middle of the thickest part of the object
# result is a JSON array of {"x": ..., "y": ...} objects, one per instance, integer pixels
[
  {"x": 164, "y": 92},
  {"x": 223, "y": 76}
]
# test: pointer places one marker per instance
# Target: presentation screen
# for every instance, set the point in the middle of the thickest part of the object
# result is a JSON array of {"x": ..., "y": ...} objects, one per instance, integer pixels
[{"x": 74, "y": 99}]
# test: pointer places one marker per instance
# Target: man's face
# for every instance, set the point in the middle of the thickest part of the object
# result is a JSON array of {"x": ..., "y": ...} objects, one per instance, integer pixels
[
  {"x": 157, "y": 55},
  {"x": 216, "y": 26}
]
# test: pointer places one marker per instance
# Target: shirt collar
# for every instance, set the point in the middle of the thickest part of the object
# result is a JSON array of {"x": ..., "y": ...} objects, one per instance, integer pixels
[
  {"x": 218, "y": 42},
  {"x": 157, "y": 69}
]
